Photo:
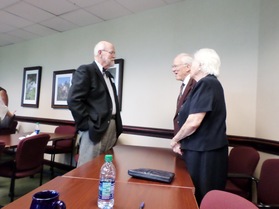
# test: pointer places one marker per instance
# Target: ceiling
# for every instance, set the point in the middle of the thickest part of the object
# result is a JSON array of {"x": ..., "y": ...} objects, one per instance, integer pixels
[{"x": 22, "y": 20}]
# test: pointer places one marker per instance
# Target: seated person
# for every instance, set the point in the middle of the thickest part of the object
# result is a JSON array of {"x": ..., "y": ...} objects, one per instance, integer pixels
[{"x": 6, "y": 117}]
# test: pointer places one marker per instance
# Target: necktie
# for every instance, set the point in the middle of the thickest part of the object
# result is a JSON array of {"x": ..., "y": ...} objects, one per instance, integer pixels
[
  {"x": 107, "y": 73},
  {"x": 181, "y": 90},
  {"x": 107, "y": 77}
]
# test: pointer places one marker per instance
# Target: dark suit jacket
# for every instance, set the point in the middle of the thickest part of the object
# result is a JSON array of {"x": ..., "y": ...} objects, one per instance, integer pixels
[
  {"x": 90, "y": 103},
  {"x": 180, "y": 102}
]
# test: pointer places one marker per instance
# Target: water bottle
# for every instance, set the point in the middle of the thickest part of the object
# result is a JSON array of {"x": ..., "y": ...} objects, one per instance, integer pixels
[
  {"x": 106, "y": 185},
  {"x": 37, "y": 128}
]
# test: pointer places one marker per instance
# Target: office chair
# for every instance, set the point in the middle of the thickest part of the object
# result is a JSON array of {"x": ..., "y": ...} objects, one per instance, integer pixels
[
  {"x": 268, "y": 185},
  {"x": 28, "y": 160},
  {"x": 2, "y": 147},
  {"x": 61, "y": 146},
  {"x": 217, "y": 199},
  {"x": 241, "y": 166}
]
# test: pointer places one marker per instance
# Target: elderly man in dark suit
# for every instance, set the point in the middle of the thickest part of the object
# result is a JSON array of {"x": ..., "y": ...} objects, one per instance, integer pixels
[
  {"x": 181, "y": 68},
  {"x": 93, "y": 102}
]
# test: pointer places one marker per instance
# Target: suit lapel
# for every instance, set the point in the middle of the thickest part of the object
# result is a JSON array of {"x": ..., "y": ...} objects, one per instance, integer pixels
[
  {"x": 180, "y": 102},
  {"x": 185, "y": 94},
  {"x": 100, "y": 74}
]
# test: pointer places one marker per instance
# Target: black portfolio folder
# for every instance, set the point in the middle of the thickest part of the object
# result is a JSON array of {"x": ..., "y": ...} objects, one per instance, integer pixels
[{"x": 152, "y": 174}]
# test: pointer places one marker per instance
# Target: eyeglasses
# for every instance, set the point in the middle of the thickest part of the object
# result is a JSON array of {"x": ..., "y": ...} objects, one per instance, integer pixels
[
  {"x": 111, "y": 52},
  {"x": 176, "y": 66}
]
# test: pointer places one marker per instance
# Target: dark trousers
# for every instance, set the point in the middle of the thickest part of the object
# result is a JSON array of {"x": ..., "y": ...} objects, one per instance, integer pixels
[{"x": 208, "y": 170}]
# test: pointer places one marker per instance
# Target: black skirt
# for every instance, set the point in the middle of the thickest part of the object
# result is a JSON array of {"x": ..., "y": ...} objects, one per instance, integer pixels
[{"x": 208, "y": 170}]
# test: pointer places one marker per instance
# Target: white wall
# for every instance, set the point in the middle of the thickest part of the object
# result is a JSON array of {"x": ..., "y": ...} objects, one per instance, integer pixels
[
  {"x": 268, "y": 74},
  {"x": 148, "y": 42}
]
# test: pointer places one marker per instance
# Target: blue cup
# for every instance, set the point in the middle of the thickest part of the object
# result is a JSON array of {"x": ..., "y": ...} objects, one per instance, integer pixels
[{"x": 47, "y": 199}]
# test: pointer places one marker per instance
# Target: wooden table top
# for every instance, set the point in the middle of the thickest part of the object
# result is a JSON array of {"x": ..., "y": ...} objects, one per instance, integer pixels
[
  {"x": 131, "y": 157},
  {"x": 12, "y": 140},
  {"x": 81, "y": 193}
]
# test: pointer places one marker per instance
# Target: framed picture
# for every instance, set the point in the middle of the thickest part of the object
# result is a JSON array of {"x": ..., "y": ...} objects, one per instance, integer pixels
[
  {"x": 31, "y": 86},
  {"x": 117, "y": 72},
  {"x": 62, "y": 81}
]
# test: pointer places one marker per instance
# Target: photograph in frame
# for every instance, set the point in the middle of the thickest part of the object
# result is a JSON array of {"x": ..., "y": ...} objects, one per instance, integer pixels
[
  {"x": 62, "y": 81},
  {"x": 117, "y": 72},
  {"x": 31, "y": 86}
]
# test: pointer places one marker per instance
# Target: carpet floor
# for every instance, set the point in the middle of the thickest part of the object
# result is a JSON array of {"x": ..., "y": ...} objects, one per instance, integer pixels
[{"x": 24, "y": 185}]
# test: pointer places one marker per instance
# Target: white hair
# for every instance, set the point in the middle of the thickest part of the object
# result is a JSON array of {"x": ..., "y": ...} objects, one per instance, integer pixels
[
  {"x": 99, "y": 46},
  {"x": 186, "y": 58},
  {"x": 209, "y": 60}
]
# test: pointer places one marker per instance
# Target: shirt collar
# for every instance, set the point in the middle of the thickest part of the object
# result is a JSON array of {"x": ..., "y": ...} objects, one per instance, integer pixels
[
  {"x": 99, "y": 66},
  {"x": 186, "y": 80}
]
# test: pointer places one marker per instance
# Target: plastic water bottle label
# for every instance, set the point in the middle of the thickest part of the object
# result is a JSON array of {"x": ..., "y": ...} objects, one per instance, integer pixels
[
  {"x": 37, "y": 128},
  {"x": 106, "y": 190}
]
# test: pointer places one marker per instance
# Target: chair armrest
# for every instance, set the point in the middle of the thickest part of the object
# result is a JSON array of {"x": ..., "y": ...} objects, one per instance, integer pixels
[
  {"x": 72, "y": 139},
  {"x": 242, "y": 176},
  {"x": 268, "y": 206},
  {"x": 57, "y": 140}
]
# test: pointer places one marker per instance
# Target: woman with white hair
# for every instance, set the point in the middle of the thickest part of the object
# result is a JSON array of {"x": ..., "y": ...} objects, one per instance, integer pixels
[{"x": 202, "y": 140}]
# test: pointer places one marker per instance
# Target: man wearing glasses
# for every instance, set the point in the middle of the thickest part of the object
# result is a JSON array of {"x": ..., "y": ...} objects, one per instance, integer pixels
[
  {"x": 181, "y": 68},
  {"x": 93, "y": 102}
]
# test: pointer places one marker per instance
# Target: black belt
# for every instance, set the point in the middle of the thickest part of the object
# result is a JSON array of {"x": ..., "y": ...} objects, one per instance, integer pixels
[{"x": 113, "y": 117}]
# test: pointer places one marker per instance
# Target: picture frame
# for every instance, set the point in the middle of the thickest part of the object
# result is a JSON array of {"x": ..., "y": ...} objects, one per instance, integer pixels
[
  {"x": 62, "y": 81},
  {"x": 117, "y": 72},
  {"x": 31, "y": 86}
]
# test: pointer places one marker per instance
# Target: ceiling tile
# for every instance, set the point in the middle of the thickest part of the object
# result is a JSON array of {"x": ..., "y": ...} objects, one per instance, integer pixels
[
  {"x": 13, "y": 20},
  {"x": 53, "y": 6},
  {"x": 4, "y": 40},
  {"x": 5, "y": 43},
  {"x": 136, "y": 6},
  {"x": 5, "y": 28},
  {"x": 5, "y": 3},
  {"x": 32, "y": 18},
  {"x": 10, "y": 38},
  {"x": 85, "y": 3},
  {"x": 23, "y": 34},
  {"x": 29, "y": 12},
  {"x": 59, "y": 24},
  {"x": 172, "y": 1},
  {"x": 81, "y": 18},
  {"x": 40, "y": 30},
  {"x": 108, "y": 10}
]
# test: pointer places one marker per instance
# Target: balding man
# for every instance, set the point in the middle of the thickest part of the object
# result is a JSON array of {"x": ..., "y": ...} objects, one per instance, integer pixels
[
  {"x": 93, "y": 102},
  {"x": 181, "y": 68}
]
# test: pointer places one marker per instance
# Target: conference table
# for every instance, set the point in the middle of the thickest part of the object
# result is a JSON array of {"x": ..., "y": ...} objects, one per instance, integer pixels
[
  {"x": 132, "y": 157},
  {"x": 80, "y": 193},
  {"x": 79, "y": 188},
  {"x": 12, "y": 140}
]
